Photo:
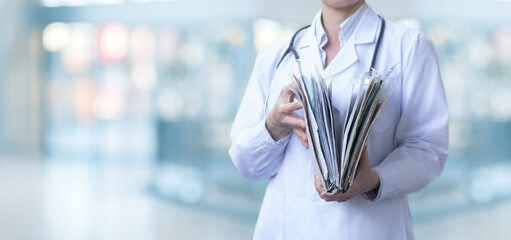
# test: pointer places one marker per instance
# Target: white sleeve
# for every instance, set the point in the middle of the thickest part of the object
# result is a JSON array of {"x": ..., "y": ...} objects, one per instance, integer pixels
[
  {"x": 253, "y": 151},
  {"x": 422, "y": 131}
]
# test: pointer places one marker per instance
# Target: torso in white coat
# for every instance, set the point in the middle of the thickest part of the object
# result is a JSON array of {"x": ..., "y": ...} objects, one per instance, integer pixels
[{"x": 407, "y": 145}]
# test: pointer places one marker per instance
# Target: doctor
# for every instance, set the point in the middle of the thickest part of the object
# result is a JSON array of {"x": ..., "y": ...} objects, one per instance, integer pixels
[{"x": 405, "y": 150}]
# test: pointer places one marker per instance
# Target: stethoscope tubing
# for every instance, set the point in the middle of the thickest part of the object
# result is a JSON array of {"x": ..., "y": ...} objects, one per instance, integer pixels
[{"x": 291, "y": 49}]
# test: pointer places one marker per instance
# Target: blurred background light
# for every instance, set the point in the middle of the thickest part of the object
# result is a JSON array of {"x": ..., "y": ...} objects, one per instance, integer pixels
[
  {"x": 411, "y": 22},
  {"x": 499, "y": 104},
  {"x": 113, "y": 42},
  {"x": 170, "y": 105},
  {"x": 170, "y": 41},
  {"x": 142, "y": 44},
  {"x": 192, "y": 53},
  {"x": 502, "y": 42},
  {"x": 85, "y": 93},
  {"x": 109, "y": 104},
  {"x": 56, "y": 36},
  {"x": 267, "y": 31},
  {"x": 480, "y": 52},
  {"x": 439, "y": 34},
  {"x": 143, "y": 74},
  {"x": 235, "y": 35}
]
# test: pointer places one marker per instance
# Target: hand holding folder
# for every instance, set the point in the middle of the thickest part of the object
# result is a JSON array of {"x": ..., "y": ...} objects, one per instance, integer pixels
[{"x": 336, "y": 167}]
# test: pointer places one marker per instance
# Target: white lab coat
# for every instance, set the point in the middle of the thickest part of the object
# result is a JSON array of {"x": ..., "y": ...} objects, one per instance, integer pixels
[{"x": 407, "y": 146}]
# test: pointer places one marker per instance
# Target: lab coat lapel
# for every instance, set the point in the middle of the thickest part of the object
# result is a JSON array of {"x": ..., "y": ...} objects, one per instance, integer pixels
[
  {"x": 346, "y": 56},
  {"x": 309, "y": 53},
  {"x": 350, "y": 52},
  {"x": 365, "y": 33}
]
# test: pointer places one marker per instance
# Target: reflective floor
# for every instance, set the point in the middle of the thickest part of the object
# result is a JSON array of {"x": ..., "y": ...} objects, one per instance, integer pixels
[
  {"x": 90, "y": 201},
  {"x": 76, "y": 200}
]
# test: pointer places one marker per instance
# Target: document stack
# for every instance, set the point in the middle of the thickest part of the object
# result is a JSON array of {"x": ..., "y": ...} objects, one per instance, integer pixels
[{"x": 335, "y": 163}]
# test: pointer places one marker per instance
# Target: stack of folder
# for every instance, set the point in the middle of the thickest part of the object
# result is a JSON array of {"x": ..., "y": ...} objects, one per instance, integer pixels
[{"x": 335, "y": 163}]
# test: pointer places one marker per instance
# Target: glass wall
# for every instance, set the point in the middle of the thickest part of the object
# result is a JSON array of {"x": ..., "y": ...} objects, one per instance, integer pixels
[{"x": 155, "y": 93}]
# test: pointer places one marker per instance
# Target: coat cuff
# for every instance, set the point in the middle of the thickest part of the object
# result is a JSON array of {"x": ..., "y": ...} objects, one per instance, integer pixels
[
  {"x": 375, "y": 194},
  {"x": 261, "y": 128},
  {"x": 388, "y": 181}
]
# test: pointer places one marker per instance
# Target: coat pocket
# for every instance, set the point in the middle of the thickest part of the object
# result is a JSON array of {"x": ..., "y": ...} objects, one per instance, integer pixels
[{"x": 270, "y": 223}]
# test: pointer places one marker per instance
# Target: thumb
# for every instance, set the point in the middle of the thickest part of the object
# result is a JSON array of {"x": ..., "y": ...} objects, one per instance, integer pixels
[
  {"x": 365, "y": 157},
  {"x": 286, "y": 95},
  {"x": 364, "y": 161},
  {"x": 291, "y": 96}
]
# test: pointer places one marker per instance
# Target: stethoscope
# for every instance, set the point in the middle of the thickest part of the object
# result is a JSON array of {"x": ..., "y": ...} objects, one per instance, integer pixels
[{"x": 291, "y": 49}]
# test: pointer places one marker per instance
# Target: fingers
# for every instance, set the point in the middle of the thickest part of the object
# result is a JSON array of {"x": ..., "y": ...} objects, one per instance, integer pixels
[
  {"x": 327, "y": 197},
  {"x": 287, "y": 88},
  {"x": 319, "y": 188},
  {"x": 339, "y": 197},
  {"x": 345, "y": 199},
  {"x": 365, "y": 155},
  {"x": 300, "y": 131},
  {"x": 302, "y": 136},
  {"x": 364, "y": 163},
  {"x": 286, "y": 93},
  {"x": 288, "y": 117},
  {"x": 280, "y": 121},
  {"x": 317, "y": 184},
  {"x": 293, "y": 122},
  {"x": 322, "y": 193},
  {"x": 289, "y": 108}
]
